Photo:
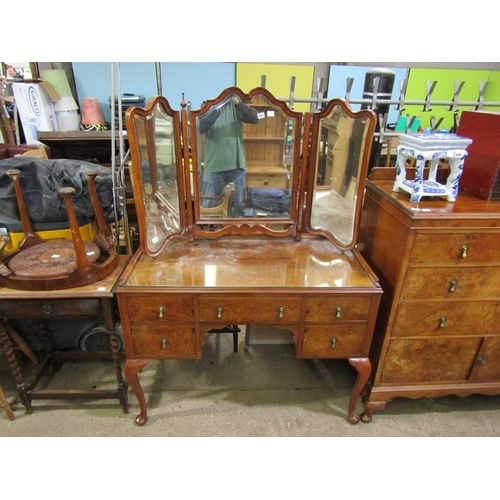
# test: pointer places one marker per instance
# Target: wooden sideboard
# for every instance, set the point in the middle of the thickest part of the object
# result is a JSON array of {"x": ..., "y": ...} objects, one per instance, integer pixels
[
  {"x": 439, "y": 266},
  {"x": 328, "y": 298}
]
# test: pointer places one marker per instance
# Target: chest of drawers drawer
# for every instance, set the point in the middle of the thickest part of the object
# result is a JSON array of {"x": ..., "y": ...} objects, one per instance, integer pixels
[
  {"x": 163, "y": 341},
  {"x": 455, "y": 248},
  {"x": 239, "y": 310},
  {"x": 337, "y": 308},
  {"x": 152, "y": 307},
  {"x": 439, "y": 360},
  {"x": 451, "y": 283},
  {"x": 447, "y": 318},
  {"x": 337, "y": 341}
]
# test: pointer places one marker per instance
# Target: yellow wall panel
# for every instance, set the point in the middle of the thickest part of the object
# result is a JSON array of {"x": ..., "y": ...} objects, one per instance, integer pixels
[{"x": 248, "y": 76}]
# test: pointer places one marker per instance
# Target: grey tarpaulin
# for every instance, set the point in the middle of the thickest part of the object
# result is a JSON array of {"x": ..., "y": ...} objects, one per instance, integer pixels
[{"x": 41, "y": 181}]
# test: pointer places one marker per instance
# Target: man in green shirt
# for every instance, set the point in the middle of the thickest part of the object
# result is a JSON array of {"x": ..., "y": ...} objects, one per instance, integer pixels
[{"x": 224, "y": 150}]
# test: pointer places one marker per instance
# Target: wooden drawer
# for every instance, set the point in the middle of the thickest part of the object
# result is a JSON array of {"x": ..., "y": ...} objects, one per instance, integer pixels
[
  {"x": 163, "y": 341},
  {"x": 434, "y": 319},
  {"x": 267, "y": 181},
  {"x": 429, "y": 360},
  {"x": 337, "y": 308},
  {"x": 436, "y": 283},
  {"x": 339, "y": 341},
  {"x": 243, "y": 310},
  {"x": 40, "y": 308},
  {"x": 487, "y": 365},
  {"x": 455, "y": 249},
  {"x": 152, "y": 307}
]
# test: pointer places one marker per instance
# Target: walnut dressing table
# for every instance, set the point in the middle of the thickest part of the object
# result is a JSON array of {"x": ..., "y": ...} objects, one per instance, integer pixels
[
  {"x": 194, "y": 272},
  {"x": 327, "y": 298}
]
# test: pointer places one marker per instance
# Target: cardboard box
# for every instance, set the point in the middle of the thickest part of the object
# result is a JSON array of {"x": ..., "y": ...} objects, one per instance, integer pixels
[
  {"x": 481, "y": 174},
  {"x": 36, "y": 109}
]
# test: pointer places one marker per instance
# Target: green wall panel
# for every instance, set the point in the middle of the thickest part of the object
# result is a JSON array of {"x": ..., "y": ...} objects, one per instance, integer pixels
[{"x": 444, "y": 91}]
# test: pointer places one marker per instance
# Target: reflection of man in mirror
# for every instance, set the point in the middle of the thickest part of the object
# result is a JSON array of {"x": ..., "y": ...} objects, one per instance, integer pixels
[{"x": 224, "y": 150}]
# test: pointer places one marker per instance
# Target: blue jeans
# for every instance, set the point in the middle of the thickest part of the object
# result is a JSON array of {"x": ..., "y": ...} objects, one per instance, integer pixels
[{"x": 214, "y": 182}]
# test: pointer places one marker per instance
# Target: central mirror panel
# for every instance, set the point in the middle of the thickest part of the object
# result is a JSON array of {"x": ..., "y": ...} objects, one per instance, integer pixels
[{"x": 246, "y": 155}]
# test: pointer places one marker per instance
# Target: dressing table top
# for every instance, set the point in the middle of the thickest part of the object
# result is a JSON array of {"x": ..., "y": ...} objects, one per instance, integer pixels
[{"x": 243, "y": 263}]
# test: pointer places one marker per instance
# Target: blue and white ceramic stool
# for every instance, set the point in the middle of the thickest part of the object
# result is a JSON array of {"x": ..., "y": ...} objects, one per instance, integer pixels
[{"x": 433, "y": 147}]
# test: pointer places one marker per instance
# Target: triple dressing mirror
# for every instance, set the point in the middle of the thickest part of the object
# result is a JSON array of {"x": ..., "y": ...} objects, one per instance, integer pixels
[{"x": 246, "y": 164}]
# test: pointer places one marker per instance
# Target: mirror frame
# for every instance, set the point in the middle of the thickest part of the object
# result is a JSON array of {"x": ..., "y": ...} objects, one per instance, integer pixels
[
  {"x": 370, "y": 116},
  {"x": 273, "y": 226},
  {"x": 136, "y": 174}
]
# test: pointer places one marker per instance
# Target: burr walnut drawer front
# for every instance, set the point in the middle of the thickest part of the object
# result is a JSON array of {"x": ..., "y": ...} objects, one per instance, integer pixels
[
  {"x": 456, "y": 248},
  {"x": 414, "y": 361},
  {"x": 165, "y": 308},
  {"x": 40, "y": 308},
  {"x": 163, "y": 341},
  {"x": 241, "y": 310},
  {"x": 451, "y": 283},
  {"x": 435, "y": 319},
  {"x": 337, "y": 308},
  {"x": 338, "y": 341}
]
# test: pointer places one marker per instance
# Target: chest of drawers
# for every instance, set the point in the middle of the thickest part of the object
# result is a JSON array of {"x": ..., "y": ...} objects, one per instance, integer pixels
[
  {"x": 438, "y": 330},
  {"x": 327, "y": 298}
]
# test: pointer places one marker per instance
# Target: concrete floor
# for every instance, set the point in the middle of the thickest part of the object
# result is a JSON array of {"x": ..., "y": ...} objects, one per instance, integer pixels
[{"x": 262, "y": 392}]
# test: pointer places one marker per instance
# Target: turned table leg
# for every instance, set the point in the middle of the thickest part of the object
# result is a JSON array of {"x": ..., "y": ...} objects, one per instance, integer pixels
[
  {"x": 364, "y": 369},
  {"x": 109, "y": 322},
  {"x": 132, "y": 368},
  {"x": 15, "y": 369},
  {"x": 6, "y": 406}
]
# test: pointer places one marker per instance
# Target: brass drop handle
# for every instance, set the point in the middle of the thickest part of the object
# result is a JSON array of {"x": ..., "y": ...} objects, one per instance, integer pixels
[
  {"x": 281, "y": 312},
  {"x": 333, "y": 342},
  {"x": 164, "y": 343},
  {"x": 442, "y": 321},
  {"x": 219, "y": 312},
  {"x": 453, "y": 285},
  {"x": 161, "y": 310},
  {"x": 463, "y": 251},
  {"x": 338, "y": 310}
]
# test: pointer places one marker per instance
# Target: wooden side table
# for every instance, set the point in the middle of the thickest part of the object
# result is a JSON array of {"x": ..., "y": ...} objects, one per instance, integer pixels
[{"x": 94, "y": 300}]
